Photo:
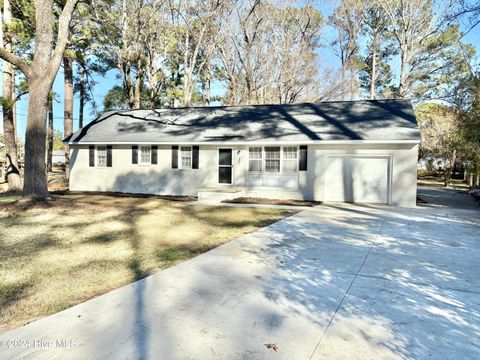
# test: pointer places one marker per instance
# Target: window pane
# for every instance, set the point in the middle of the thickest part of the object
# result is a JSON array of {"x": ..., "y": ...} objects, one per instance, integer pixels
[
  {"x": 186, "y": 156},
  {"x": 225, "y": 156},
  {"x": 186, "y": 162},
  {"x": 255, "y": 153},
  {"x": 289, "y": 152},
  {"x": 101, "y": 156},
  {"x": 145, "y": 154},
  {"x": 289, "y": 166},
  {"x": 186, "y": 150},
  {"x": 272, "y": 165},
  {"x": 255, "y": 165},
  {"x": 272, "y": 152},
  {"x": 224, "y": 175}
]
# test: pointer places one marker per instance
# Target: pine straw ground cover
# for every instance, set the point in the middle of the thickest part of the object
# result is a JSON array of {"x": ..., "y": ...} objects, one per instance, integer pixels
[{"x": 78, "y": 246}]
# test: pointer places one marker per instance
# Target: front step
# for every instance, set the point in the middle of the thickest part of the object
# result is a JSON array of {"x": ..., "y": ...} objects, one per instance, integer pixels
[{"x": 216, "y": 195}]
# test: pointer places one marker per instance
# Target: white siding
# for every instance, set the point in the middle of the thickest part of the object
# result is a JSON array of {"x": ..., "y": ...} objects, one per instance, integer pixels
[{"x": 123, "y": 176}]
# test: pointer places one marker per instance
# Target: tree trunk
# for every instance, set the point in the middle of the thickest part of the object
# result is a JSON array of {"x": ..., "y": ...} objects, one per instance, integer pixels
[
  {"x": 342, "y": 80},
  {"x": 129, "y": 88},
  {"x": 232, "y": 89},
  {"x": 50, "y": 136},
  {"x": 14, "y": 108},
  {"x": 403, "y": 72},
  {"x": 373, "y": 77},
  {"x": 187, "y": 95},
  {"x": 40, "y": 74},
  {"x": 82, "y": 96},
  {"x": 68, "y": 112},
  {"x": 449, "y": 170},
  {"x": 35, "y": 169},
  {"x": 138, "y": 89},
  {"x": 353, "y": 89},
  {"x": 8, "y": 93},
  {"x": 209, "y": 87}
]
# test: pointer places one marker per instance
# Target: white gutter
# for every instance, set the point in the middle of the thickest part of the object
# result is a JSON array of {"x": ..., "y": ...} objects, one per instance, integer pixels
[{"x": 309, "y": 142}]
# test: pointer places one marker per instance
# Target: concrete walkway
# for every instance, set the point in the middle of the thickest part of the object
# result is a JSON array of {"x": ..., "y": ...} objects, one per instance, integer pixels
[{"x": 333, "y": 282}]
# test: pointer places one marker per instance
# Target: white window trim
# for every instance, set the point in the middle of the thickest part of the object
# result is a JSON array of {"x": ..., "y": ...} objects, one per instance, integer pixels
[
  {"x": 140, "y": 162},
  {"x": 281, "y": 172},
  {"x": 283, "y": 159},
  {"x": 261, "y": 160},
  {"x": 96, "y": 156},
  {"x": 180, "y": 165}
]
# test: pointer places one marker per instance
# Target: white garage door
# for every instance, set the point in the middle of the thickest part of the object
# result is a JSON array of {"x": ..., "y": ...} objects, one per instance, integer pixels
[{"x": 357, "y": 179}]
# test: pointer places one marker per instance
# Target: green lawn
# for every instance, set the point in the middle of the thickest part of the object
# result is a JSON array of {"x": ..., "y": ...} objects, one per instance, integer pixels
[
  {"x": 437, "y": 181},
  {"x": 80, "y": 246}
]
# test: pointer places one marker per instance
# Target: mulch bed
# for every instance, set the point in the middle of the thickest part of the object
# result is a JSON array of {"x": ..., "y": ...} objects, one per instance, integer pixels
[
  {"x": 181, "y": 198},
  {"x": 264, "y": 201}
]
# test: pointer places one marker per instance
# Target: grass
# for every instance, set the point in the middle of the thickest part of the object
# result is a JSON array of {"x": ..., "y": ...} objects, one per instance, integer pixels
[
  {"x": 438, "y": 181},
  {"x": 76, "y": 247}
]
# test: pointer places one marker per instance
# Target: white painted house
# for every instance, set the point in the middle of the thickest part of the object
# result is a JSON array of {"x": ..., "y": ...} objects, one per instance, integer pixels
[{"x": 351, "y": 151}]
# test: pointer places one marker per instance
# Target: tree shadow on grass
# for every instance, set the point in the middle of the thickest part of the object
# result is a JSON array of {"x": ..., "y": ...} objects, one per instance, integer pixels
[
  {"x": 13, "y": 292},
  {"x": 215, "y": 215}
]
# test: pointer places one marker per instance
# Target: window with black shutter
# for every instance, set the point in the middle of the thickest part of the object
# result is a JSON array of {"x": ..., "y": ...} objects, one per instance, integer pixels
[
  {"x": 195, "y": 154},
  {"x": 175, "y": 157},
  {"x": 91, "y": 156},
  {"x": 303, "y": 158},
  {"x": 154, "y": 154},
  {"x": 109, "y": 156},
  {"x": 135, "y": 154}
]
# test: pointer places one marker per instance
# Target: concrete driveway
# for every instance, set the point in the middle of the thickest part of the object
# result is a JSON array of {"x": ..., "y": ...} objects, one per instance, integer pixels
[{"x": 334, "y": 282}]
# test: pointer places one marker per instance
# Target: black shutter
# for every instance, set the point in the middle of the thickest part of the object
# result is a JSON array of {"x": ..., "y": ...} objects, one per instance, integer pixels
[
  {"x": 195, "y": 151},
  {"x": 135, "y": 154},
  {"x": 303, "y": 158},
  {"x": 91, "y": 155},
  {"x": 154, "y": 155},
  {"x": 109, "y": 156},
  {"x": 174, "y": 157}
]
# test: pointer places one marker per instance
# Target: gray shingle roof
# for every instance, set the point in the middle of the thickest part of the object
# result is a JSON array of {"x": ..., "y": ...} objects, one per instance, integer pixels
[{"x": 341, "y": 120}]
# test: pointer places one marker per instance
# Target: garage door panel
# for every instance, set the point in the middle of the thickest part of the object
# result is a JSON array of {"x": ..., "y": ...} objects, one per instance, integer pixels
[
  {"x": 370, "y": 180},
  {"x": 336, "y": 178},
  {"x": 357, "y": 179}
]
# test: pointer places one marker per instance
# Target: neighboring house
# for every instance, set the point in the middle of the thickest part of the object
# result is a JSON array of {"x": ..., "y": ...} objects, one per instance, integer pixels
[
  {"x": 431, "y": 163},
  {"x": 58, "y": 157},
  {"x": 359, "y": 151}
]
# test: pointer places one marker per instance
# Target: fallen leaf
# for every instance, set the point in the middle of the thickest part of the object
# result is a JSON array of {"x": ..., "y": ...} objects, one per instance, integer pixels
[{"x": 273, "y": 347}]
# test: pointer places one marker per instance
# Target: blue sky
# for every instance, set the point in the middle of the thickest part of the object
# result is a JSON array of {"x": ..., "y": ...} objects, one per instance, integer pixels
[{"x": 103, "y": 84}]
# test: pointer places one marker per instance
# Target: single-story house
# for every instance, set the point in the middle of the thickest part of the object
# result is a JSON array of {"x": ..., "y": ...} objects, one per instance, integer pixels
[{"x": 341, "y": 151}]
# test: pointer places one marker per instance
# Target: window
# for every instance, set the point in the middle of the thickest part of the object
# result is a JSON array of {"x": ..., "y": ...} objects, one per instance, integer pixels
[
  {"x": 145, "y": 155},
  {"x": 289, "y": 159},
  {"x": 272, "y": 159},
  {"x": 101, "y": 156},
  {"x": 255, "y": 159},
  {"x": 186, "y": 157}
]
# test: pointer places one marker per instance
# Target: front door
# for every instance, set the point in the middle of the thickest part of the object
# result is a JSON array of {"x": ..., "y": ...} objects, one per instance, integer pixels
[{"x": 225, "y": 165}]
